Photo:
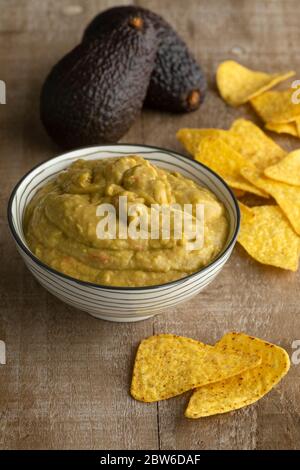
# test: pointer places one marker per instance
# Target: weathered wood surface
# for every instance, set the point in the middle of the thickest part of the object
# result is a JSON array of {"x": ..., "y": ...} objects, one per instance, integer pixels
[{"x": 65, "y": 384}]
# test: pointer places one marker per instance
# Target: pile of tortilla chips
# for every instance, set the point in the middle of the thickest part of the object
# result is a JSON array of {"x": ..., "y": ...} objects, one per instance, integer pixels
[
  {"x": 280, "y": 110},
  {"x": 250, "y": 162},
  {"x": 237, "y": 371}
]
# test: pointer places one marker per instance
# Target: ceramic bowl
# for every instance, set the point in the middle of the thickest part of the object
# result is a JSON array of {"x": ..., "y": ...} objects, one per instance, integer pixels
[{"x": 121, "y": 304}]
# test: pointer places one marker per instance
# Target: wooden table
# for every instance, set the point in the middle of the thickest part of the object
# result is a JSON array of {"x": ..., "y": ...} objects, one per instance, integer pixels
[{"x": 65, "y": 384}]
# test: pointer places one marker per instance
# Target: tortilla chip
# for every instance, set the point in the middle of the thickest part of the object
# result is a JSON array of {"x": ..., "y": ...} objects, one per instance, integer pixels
[
  {"x": 192, "y": 138},
  {"x": 244, "y": 137},
  {"x": 167, "y": 365},
  {"x": 245, "y": 388},
  {"x": 276, "y": 106},
  {"x": 255, "y": 145},
  {"x": 286, "y": 170},
  {"x": 286, "y": 195},
  {"x": 246, "y": 211},
  {"x": 268, "y": 237},
  {"x": 226, "y": 162},
  {"x": 238, "y": 84},
  {"x": 283, "y": 128}
]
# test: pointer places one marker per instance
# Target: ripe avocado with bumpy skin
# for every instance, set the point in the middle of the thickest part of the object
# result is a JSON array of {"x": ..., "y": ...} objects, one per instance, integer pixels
[
  {"x": 94, "y": 94},
  {"x": 177, "y": 82}
]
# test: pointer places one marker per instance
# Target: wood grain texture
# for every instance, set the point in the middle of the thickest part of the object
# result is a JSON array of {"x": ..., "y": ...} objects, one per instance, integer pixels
[{"x": 66, "y": 381}]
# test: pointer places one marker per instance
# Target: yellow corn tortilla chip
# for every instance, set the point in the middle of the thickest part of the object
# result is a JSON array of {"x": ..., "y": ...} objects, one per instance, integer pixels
[
  {"x": 224, "y": 160},
  {"x": 245, "y": 388},
  {"x": 286, "y": 195},
  {"x": 192, "y": 138},
  {"x": 255, "y": 145},
  {"x": 276, "y": 106},
  {"x": 283, "y": 128},
  {"x": 247, "y": 211},
  {"x": 286, "y": 170},
  {"x": 167, "y": 365},
  {"x": 268, "y": 237},
  {"x": 244, "y": 137},
  {"x": 238, "y": 84}
]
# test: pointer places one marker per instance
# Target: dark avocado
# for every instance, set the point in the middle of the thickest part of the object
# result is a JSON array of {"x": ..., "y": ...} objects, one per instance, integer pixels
[
  {"x": 94, "y": 94},
  {"x": 177, "y": 82}
]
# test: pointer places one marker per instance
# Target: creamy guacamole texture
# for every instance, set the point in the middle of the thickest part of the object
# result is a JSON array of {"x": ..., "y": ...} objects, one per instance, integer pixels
[{"x": 60, "y": 223}]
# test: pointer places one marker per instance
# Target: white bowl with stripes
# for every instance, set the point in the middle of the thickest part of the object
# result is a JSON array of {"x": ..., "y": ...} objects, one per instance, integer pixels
[{"x": 121, "y": 304}]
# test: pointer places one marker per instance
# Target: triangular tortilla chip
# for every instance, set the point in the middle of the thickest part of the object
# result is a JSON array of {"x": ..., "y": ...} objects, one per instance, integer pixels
[
  {"x": 268, "y": 237},
  {"x": 238, "y": 84},
  {"x": 245, "y": 388},
  {"x": 192, "y": 138},
  {"x": 243, "y": 136},
  {"x": 224, "y": 160},
  {"x": 286, "y": 170},
  {"x": 167, "y": 365},
  {"x": 276, "y": 106},
  {"x": 255, "y": 145},
  {"x": 286, "y": 195}
]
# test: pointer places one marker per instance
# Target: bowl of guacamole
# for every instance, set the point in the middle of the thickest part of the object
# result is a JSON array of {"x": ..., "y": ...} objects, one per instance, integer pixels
[{"x": 84, "y": 224}]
